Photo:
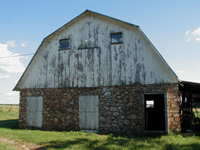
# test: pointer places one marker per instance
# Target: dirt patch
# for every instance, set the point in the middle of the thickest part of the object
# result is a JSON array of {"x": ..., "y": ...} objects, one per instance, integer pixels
[{"x": 19, "y": 145}]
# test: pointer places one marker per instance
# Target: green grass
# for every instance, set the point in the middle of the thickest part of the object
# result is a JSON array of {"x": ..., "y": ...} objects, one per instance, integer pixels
[
  {"x": 8, "y": 112},
  {"x": 49, "y": 140},
  {"x": 196, "y": 112},
  {"x": 4, "y": 147}
]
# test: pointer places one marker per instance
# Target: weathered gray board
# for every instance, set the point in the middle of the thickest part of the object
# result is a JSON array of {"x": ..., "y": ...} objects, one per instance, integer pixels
[
  {"x": 34, "y": 111},
  {"x": 89, "y": 112},
  {"x": 93, "y": 61}
]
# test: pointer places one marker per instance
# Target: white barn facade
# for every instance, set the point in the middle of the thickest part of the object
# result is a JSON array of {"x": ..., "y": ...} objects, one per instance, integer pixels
[{"x": 99, "y": 73}]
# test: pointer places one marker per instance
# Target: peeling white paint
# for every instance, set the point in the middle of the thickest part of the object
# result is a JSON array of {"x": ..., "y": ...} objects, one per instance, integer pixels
[{"x": 93, "y": 61}]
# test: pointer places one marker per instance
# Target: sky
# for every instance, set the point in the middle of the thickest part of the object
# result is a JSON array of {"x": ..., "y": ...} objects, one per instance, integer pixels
[{"x": 173, "y": 26}]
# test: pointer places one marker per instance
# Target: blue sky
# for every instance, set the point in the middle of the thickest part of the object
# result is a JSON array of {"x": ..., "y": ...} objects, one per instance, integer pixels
[{"x": 173, "y": 26}]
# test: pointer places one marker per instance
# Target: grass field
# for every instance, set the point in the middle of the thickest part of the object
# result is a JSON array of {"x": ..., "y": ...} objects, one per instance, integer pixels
[
  {"x": 196, "y": 112},
  {"x": 12, "y": 138}
]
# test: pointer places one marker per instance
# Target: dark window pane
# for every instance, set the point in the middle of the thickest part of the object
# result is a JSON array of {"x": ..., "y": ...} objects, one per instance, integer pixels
[
  {"x": 116, "y": 38},
  {"x": 64, "y": 44}
]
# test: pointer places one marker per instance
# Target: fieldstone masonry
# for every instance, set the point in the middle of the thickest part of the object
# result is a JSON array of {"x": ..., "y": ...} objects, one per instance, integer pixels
[{"x": 121, "y": 108}]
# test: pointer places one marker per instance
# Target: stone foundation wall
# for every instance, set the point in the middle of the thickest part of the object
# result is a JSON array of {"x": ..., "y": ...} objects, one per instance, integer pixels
[{"x": 121, "y": 108}]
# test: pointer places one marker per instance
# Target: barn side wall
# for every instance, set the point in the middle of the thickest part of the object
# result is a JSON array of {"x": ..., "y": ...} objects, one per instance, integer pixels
[{"x": 121, "y": 108}]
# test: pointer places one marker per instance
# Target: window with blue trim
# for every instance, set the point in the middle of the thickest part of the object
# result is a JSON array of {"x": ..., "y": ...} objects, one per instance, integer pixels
[
  {"x": 116, "y": 38},
  {"x": 64, "y": 44}
]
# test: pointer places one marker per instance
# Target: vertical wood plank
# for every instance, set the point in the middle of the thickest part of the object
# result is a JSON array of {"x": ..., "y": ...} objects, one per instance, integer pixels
[
  {"x": 34, "y": 110},
  {"x": 116, "y": 72},
  {"x": 89, "y": 112},
  {"x": 96, "y": 67},
  {"x": 73, "y": 69}
]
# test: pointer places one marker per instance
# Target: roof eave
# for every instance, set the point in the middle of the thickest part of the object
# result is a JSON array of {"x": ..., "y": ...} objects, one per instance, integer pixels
[
  {"x": 88, "y": 12},
  {"x": 17, "y": 88},
  {"x": 157, "y": 52}
]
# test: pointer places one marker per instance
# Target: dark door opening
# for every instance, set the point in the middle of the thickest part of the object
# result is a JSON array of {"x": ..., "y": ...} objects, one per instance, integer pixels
[{"x": 154, "y": 112}]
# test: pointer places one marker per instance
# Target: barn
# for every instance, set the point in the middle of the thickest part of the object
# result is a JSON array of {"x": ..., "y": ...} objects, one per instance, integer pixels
[{"x": 100, "y": 74}]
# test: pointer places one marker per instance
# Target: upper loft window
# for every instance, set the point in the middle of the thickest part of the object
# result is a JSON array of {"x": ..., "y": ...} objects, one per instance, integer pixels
[
  {"x": 64, "y": 44},
  {"x": 116, "y": 38}
]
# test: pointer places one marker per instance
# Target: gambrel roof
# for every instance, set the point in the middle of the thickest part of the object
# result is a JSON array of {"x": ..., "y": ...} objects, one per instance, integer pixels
[{"x": 74, "y": 21}]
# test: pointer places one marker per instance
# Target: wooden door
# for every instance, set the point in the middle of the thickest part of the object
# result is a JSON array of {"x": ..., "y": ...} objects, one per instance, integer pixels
[
  {"x": 89, "y": 112},
  {"x": 34, "y": 111}
]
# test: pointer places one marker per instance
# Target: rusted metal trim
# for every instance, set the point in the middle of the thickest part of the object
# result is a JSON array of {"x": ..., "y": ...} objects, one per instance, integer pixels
[
  {"x": 82, "y": 48},
  {"x": 116, "y": 43},
  {"x": 64, "y": 49}
]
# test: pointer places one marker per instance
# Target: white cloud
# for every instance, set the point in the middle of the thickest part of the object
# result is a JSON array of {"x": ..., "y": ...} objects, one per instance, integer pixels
[
  {"x": 11, "y": 97},
  {"x": 187, "y": 32},
  {"x": 4, "y": 76},
  {"x": 180, "y": 71},
  {"x": 11, "y": 43},
  {"x": 23, "y": 44},
  {"x": 11, "y": 93},
  {"x": 196, "y": 34},
  {"x": 14, "y": 44},
  {"x": 193, "y": 35},
  {"x": 8, "y": 63},
  {"x": 188, "y": 39}
]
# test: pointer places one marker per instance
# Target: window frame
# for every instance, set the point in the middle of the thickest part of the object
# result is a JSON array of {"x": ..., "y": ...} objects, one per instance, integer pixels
[
  {"x": 65, "y": 48},
  {"x": 115, "y": 33}
]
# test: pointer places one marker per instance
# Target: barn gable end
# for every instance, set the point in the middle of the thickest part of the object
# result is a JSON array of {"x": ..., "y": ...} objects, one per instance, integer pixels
[{"x": 92, "y": 60}]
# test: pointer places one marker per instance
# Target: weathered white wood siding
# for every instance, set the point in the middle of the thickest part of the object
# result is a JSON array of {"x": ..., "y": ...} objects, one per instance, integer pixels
[
  {"x": 93, "y": 61},
  {"x": 34, "y": 111},
  {"x": 89, "y": 112}
]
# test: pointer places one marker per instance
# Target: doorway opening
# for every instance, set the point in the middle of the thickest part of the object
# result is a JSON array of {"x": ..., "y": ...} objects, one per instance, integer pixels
[{"x": 154, "y": 108}]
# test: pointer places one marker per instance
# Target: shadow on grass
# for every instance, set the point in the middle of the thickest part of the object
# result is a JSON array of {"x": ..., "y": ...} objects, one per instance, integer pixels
[
  {"x": 9, "y": 124},
  {"x": 61, "y": 144},
  {"x": 115, "y": 144},
  {"x": 183, "y": 147},
  {"x": 84, "y": 143},
  {"x": 64, "y": 144}
]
